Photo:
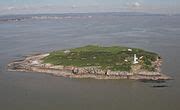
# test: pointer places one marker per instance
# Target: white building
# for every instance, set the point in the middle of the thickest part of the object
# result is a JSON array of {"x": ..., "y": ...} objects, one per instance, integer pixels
[
  {"x": 67, "y": 51},
  {"x": 135, "y": 59},
  {"x": 130, "y": 50}
]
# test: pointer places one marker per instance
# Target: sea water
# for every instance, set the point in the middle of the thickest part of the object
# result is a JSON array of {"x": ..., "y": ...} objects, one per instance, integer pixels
[{"x": 21, "y": 35}]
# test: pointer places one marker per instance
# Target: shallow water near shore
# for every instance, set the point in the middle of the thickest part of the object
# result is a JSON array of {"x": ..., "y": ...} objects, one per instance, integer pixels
[{"x": 27, "y": 91}]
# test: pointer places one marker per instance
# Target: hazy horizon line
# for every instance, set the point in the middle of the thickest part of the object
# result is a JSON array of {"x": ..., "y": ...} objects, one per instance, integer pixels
[{"x": 105, "y": 12}]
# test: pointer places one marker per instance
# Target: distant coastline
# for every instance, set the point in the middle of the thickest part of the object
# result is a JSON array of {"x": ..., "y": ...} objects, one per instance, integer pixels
[{"x": 60, "y": 16}]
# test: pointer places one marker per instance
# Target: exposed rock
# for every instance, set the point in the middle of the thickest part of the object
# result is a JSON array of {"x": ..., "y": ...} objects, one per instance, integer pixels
[{"x": 35, "y": 64}]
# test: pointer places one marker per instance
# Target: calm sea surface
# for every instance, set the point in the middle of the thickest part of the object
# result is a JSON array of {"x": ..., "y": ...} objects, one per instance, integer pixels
[{"x": 23, "y": 35}]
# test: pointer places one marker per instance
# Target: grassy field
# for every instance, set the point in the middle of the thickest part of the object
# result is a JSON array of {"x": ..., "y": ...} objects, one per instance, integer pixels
[{"x": 114, "y": 58}]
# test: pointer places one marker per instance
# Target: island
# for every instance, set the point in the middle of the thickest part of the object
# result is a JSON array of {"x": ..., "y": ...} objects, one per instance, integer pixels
[{"x": 94, "y": 61}]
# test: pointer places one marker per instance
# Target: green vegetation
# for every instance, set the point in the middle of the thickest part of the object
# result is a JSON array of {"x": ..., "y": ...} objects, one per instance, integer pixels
[{"x": 114, "y": 58}]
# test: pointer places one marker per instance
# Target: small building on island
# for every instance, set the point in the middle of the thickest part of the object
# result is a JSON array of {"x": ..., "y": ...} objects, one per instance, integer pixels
[{"x": 135, "y": 59}]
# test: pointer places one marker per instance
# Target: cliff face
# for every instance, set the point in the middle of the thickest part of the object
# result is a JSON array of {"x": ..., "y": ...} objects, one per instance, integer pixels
[{"x": 35, "y": 64}]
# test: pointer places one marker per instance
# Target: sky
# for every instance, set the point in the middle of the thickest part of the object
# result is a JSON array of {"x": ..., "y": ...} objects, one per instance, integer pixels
[{"x": 85, "y": 6}]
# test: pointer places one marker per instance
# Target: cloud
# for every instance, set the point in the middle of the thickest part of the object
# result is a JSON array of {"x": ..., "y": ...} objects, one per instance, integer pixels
[
  {"x": 10, "y": 8},
  {"x": 136, "y": 4},
  {"x": 74, "y": 6}
]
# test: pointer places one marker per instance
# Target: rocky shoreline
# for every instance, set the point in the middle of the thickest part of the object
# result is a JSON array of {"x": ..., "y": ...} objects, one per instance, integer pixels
[{"x": 35, "y": 63}]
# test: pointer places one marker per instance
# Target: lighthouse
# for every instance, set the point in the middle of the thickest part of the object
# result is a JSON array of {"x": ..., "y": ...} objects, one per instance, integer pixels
[{"x": 135, "y": 59}]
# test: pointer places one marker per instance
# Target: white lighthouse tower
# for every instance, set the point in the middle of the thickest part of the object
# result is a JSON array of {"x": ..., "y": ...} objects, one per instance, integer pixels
[{"x": 135, "y": 59}]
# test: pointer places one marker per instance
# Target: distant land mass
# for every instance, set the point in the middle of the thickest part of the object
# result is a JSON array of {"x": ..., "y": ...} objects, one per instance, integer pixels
[{"x": 21, "y": 17}]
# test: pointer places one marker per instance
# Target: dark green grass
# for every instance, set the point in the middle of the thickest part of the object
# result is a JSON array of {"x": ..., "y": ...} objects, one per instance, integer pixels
[{"x": 112, "y": 58}]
